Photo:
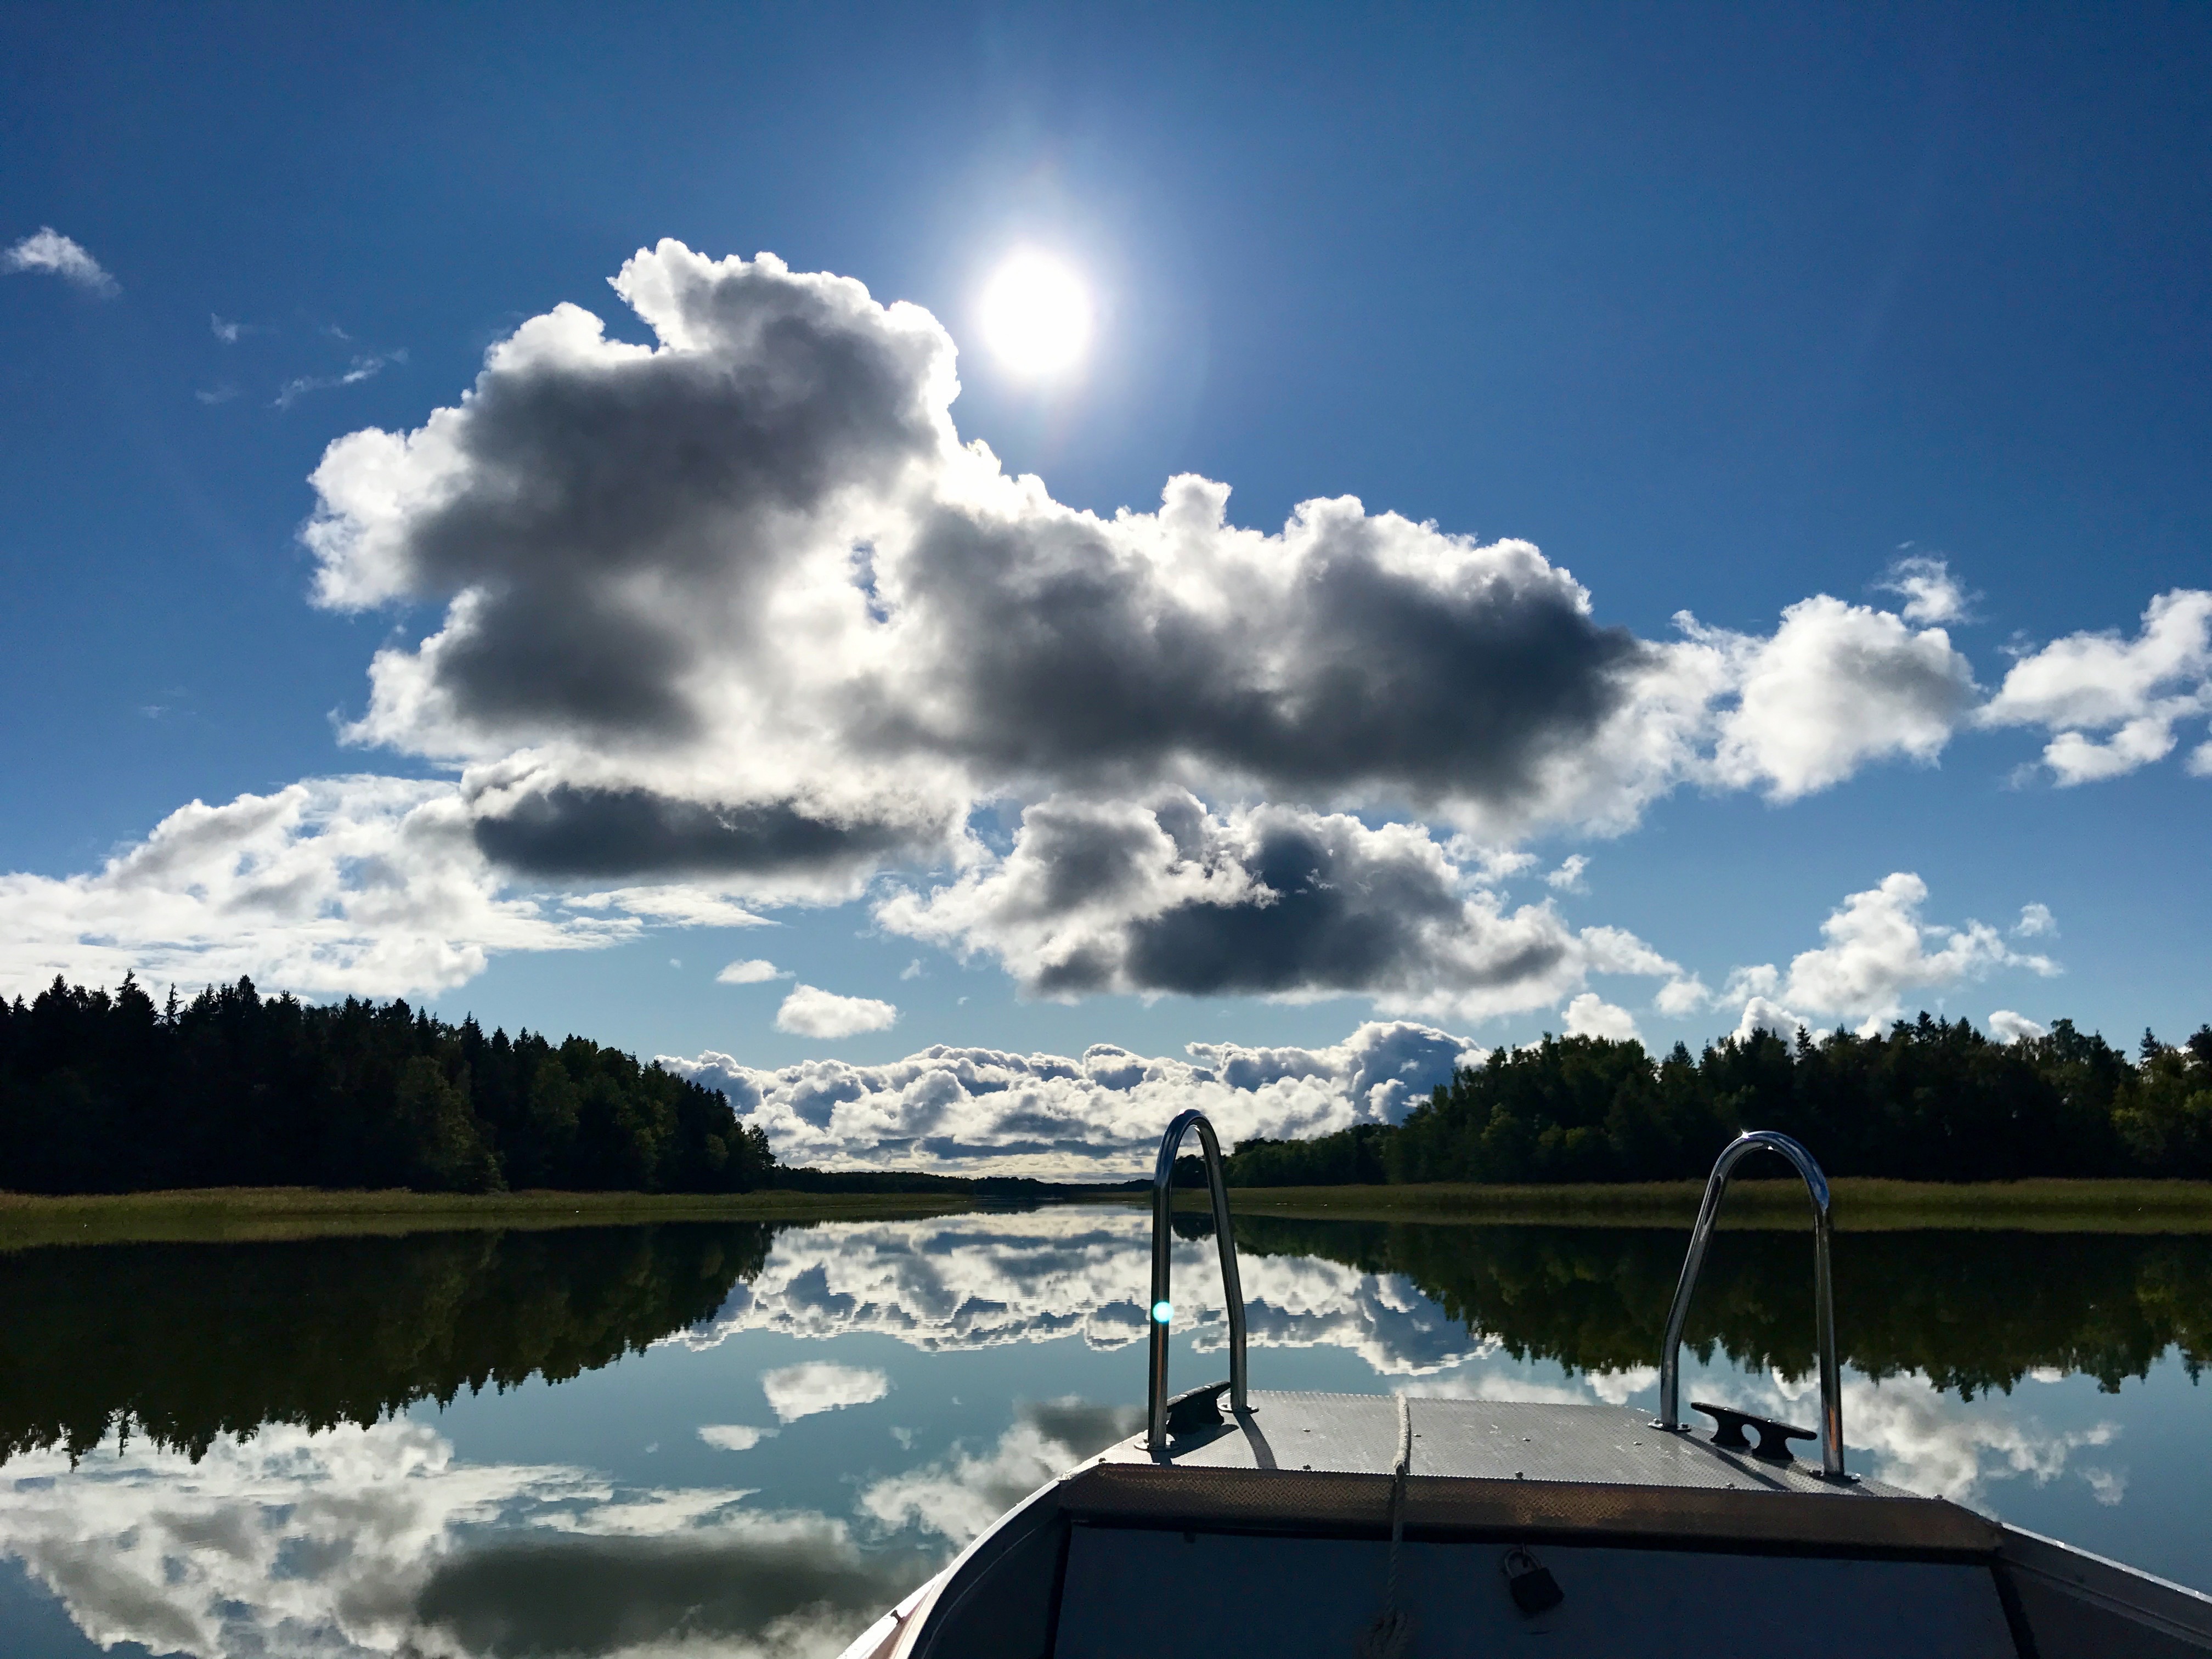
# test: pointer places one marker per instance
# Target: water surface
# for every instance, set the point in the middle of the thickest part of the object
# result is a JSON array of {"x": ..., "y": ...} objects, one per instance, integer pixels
[{"x": 748, "y": 1440}]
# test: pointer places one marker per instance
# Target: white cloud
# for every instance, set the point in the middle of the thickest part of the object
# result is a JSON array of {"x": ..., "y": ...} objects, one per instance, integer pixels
[
  {"x": 797, "y": 1391},
  {"x": 1568, "y": 878},
  {"x": 733, "y": 1436},
  {"x": 361, "y": 884},
  {"x": 809, "y": 1011},
  {"x": 1096, "y": 1115},
  {"x": 962, "y": 1283},
  {"x": 2132, "y": 691},
  {"x": 2036, "y": 921},
  {"x": 352, "y": 1543},
  {"x": 962, "y": 1495},
  {"x": 1878, "y": 950},
  {"x": 1762, "y": 1014},
  {"x": 366, "y": 366},
  {"x": 2107, "y": 1486},
  {"x": 1917, "y": 1436},
  {"x": 675, "y": 905},
  {"x": 2007, "y": 1026},
  {"x": 1932, "y": 593},
  {"x": 1835, "y": 687},
  {"x": 755, "y": 972},
  {"x": 1591, "y": 1015},
  {"x": 47, "y": 250}
]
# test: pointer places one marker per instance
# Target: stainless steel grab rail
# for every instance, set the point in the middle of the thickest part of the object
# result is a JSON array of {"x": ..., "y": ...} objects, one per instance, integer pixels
[
  {"x": 1832, "y": 1389},
  {"x": 1163, "y": 1309}
]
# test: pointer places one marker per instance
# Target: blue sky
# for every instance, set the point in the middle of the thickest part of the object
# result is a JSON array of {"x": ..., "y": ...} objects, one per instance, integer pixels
[{"x": 1720, "y": 313}]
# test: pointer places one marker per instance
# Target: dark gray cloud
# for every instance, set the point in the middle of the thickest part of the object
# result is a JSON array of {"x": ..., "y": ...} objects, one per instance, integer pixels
[
  {"x": 1084, "y": 1428},
  {"x": 514, "y": 1599},
  {"x": 1105, "y": 896},
  {"x": 569, "y": 829},
  {"x": 1054, "y": 655}
]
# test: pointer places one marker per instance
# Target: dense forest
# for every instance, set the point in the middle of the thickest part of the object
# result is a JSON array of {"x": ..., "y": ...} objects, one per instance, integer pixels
[
  {"x": 103, "y": 1092},
  {"x": 1929, "y": 1100}
]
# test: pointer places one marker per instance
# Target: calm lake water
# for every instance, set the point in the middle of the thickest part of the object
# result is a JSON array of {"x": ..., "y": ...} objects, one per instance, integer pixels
[{"x": 745, "y": 1439}]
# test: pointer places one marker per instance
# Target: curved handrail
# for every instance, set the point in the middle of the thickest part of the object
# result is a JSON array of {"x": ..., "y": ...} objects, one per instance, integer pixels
[
  {"x": 1161, "y": 1310},
  {"x": 1670, "y": 1357}
]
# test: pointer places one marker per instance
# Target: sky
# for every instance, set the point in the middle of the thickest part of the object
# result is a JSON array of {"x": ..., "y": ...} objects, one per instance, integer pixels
[{"x": 973, "y": 576}]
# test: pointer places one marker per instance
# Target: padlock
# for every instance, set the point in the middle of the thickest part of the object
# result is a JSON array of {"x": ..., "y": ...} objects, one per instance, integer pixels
[{"x": 1534, "y": 1589}]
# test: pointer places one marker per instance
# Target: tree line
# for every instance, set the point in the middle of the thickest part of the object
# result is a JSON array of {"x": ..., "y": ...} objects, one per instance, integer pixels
[
  {"x": 1928, "y": 1100},
  {"x": 105, "y": 1092}
]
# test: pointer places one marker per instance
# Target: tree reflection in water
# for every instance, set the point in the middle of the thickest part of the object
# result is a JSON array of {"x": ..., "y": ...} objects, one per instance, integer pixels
[
  {"x": 1970, "y": 1311},
  {"x": 179, "y": 1343}
]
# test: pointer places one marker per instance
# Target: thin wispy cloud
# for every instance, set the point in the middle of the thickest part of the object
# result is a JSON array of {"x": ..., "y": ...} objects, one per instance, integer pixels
[
  {"x": 46, "y": 250},
  {"x": 1932, "y": 593},
  {"x": 366, "y": 367}
]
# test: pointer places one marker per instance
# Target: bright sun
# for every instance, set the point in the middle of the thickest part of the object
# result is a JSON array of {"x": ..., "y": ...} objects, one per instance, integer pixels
[{"x": 1036, "y": 315}]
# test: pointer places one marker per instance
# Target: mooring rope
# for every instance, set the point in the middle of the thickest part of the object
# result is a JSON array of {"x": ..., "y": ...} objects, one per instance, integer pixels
[{"x": 1391, "y": 1635}]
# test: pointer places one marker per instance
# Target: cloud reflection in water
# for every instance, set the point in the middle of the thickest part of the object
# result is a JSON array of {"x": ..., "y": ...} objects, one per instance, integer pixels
[{"x": 382, "y": 1539}]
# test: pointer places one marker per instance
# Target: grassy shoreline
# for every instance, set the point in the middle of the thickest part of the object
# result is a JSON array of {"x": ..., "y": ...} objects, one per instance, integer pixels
[
  {"x": 254, "y": 1214},
  {"x": 1862, "y": 1205},
  {"x": 251, "y": 1213}
]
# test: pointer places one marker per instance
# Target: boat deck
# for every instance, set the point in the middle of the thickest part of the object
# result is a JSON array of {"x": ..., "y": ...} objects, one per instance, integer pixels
[{"x": 1482, "y": 1440}]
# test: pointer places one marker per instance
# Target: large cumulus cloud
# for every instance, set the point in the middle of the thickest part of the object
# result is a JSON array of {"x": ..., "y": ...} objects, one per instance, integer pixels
[
  {"x": 752, "y": 569},
  {"x": 735, "y": 611},
  {"x": 742, "y": 596}
]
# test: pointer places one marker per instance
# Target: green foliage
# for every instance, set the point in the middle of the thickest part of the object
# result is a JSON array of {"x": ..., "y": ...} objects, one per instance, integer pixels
[
  {"x": 107, "y": 1093},
  {"x": 1929, "y": 1100},
  {"x": 2164, "y": 1113}
]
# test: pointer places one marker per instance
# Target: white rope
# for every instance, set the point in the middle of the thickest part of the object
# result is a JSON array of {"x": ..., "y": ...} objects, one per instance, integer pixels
[{"x": 1391, "y": 1635}]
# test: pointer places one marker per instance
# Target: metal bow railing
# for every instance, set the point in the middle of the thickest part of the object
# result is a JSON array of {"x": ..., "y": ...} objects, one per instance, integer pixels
[
  {"x": 1670, "y": 1358},
  {"x": 1162, "y": 1307}
]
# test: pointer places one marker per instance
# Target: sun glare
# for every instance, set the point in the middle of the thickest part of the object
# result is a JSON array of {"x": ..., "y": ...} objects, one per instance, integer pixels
[{"x": 1036, "y": 316}]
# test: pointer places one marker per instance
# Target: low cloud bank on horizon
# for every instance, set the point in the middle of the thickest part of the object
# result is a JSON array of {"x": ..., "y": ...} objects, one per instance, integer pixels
[
  {"x": 1099, "y": 1116},
  {"x": 735, "y": 621}
]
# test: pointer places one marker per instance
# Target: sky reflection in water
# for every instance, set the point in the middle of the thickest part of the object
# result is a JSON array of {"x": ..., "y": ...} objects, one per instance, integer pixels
[{"x": 763, "y": 1437}]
